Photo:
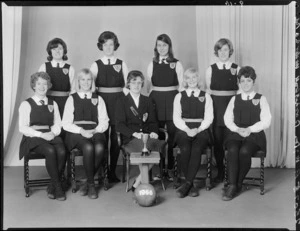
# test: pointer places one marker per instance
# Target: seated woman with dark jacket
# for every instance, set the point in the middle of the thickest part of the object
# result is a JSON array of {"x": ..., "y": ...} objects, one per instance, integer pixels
[{"x": 135, "y": 115}]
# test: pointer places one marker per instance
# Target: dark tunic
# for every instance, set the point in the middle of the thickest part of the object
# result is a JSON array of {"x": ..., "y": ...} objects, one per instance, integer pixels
[
  {"x": 129, "y": 118},
  {"x": 84, "y": 109},
  {"x": 164, "y": 75},
  {"x": 193, "y": 108},
  {"x": 110, "y": 76},
  {"x": 39, "y": 115},
  {"x": 60, "y": 80},
  {"x": 246, "y": 113},
  {"x": 222, "y": 80}
]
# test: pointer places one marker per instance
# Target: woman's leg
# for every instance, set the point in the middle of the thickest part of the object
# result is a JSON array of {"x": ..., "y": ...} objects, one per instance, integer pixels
[
  {"x": 219, "y": 151},
  {"x": 246, "y": 151},
  {"x": 185, "y": 144},
  {"x": 114, "y": 154}
]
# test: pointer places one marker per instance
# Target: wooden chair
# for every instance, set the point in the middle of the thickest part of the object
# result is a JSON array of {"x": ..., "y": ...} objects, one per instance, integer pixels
[
  {"x": 258, "y": 154},
  {"x": 28, "y": 183},
  {"x": 208, "y": 153},
  {"x": 71, "y": 169},
  {"x": 126, "y": 163}
]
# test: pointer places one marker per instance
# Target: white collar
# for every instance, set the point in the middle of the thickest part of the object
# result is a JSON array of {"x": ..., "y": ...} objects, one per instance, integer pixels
[
  {"x": 227, "y": 64},
  {"x": 196, "y": 92},
  {"x": 37, "y": 99},
  {"x": 136, "y": 99},
  {"x": 54, "y": 63},
  {"x": 245, "y": 96},
  {"x": 82, "y": 94},
  {"x": 112, "y": 59},
  {"x": 165, "y": 59}
]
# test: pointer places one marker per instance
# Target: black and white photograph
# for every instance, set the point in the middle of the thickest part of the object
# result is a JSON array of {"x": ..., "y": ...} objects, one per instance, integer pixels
[{"x": 149, "y": 116}]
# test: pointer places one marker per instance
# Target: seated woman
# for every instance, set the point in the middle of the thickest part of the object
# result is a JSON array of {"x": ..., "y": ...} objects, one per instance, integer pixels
[
  {"x": 135, "y": 115},
  {"x": 40, "y": 124},
  {"x": 246, "y": 117},
  {"x": 85, "y": 120},
  {"x": 192, "y": 115}
]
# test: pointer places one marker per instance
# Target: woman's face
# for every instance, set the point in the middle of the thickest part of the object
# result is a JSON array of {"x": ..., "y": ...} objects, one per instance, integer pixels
[
  {"x": 108, "y": 47},
  {"x": 247, "y": 84},
  {"x": 135, "y": 85},
  {"x": 58, "y": 52},
  {"x": 85, "y": 82},
  {"x": 41, "y": 87},
  {"x": 223, "y": 53},
  {"x": 192, "y": 80},
  {"x": 162, "y": 48}
]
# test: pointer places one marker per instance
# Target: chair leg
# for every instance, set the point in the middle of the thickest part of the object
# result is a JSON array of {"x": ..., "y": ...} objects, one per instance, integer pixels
[
  {"x": 208, "y": 177},
  {"x": 262, "y": 191},
  {"x": 106, "y": 183},
  {"x": 73, "y": 172},
  {"x": 26, "y": 177},
  {"x": 127, "y": 171},
  {"x": 69, "y": 179},
  {"x": 162, "y": 172},
  {"x": 225, "y": 172},
  {"x": 176, "y": 183},
  {"x": 124, "y": 167}
]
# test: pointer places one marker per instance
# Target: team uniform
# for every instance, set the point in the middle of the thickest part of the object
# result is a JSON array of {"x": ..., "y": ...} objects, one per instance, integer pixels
[
  {"x": 110, "y": 78},
  {"x": 165, "y": 78},
  {"x": 87, "y": 111},
  {"x": 36, "y": 117},
  {"x": 244, "y": 111},
  {"x": 192, "y": 109},
  {"x": 223, "y": 86},
  {"x": 62, "y": 75}
]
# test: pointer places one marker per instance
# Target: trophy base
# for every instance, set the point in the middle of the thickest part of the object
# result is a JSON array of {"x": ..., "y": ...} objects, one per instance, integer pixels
[{"x": 145, "y": 153}]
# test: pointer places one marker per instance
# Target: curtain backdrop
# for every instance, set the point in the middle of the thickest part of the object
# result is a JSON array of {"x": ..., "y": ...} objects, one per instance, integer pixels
[
  {"x": 11, "y": 44},
  {"x": 264, "y": 38}
]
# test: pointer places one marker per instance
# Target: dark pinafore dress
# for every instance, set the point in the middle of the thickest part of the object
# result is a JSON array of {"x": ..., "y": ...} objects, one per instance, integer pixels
[
  {"x": 193, "y": 109},
  {"x": 61, "y": 87},
  {"x": 110, "y": 84},
  {"x": 41, "y": 119},
  {"x": 164, "y": 75},
  {"x": 246, "y": 113},
  {"x": 85, "y": 116},
  {"x": 222, "y": 80}
]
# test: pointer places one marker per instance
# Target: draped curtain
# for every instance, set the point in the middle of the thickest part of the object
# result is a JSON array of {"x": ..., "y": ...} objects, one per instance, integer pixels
[
  {"x": 11, "y": 43},
  {"x": 264, "y": 38}
]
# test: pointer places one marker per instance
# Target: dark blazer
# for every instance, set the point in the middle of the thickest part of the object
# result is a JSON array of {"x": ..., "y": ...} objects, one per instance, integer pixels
[{"x": 131, "y": 119}]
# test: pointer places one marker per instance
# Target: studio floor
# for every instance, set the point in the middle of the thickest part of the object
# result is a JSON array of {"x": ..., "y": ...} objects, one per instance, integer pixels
[{"x": 116, "y": 208}]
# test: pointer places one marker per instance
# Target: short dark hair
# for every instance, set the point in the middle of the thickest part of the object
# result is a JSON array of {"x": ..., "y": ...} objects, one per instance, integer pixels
[
  {"x": 247, "y": 72},
  {"x": 106, "y": 35},
  {"x": 165, "y": 38},
  {"x": 220, "y": 43},
  {"x": 53, "y": 44},
  {"x": 34, "y": 77},
  {"x": 132, "y": 75}
]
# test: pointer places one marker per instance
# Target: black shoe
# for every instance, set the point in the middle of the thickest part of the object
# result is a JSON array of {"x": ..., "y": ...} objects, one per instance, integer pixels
[
  {"x": 113, "y": 178},
  {"x": 83, "y": 190},
  {"x": 65, "y": 185},
  {"x": 193, "y": 192},
  {"x": 132, "y": 187},
  {"x": 229, "y": 193},
  {"x": 59, "y": 193},
  {"x": 51, "y": 190},
  {"x": 92, "y": 193},
  {"x": 184, "y": 189}
]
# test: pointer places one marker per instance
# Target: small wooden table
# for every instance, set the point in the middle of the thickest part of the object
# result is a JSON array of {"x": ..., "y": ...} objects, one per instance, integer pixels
[{"x": 136, "y": 158}]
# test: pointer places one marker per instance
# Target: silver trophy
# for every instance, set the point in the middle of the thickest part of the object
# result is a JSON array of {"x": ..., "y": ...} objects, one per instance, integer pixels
[{"x": 145, "y": 151}]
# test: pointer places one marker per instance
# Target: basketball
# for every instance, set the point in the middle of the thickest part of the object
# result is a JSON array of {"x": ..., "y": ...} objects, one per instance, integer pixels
[{"x": 145, "y": 195}]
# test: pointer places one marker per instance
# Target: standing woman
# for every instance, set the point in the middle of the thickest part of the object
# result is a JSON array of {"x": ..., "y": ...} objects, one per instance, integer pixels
[
  {"x": 110, "y": 75},
  {"x": 85, "y": 120},
  {"x": 165, "y": 73},
  {"x": 221, "y": 82},
  {"x": 40, "y": 124},
  {"x": 247, "y": 116},
  {"x": 193, "y": 114},
  {"x": 61, "y": 73}
]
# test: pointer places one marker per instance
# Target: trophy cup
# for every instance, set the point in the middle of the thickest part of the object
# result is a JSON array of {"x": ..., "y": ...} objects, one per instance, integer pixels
[{"x": 145, "y": 151}]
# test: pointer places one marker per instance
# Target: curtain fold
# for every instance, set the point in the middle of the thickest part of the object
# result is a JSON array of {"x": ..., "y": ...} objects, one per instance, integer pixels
[
  {"x": 12, "y": 27},
  {"x": 263, "y": 37}
]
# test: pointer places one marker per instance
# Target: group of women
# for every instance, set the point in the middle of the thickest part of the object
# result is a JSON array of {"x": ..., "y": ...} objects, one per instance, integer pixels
[{"x": 99, "y": 102}]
